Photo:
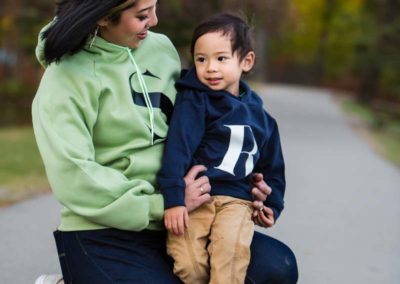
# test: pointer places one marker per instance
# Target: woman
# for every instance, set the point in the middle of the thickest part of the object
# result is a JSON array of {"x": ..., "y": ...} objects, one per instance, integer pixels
[{"x": 100, "y": 118}]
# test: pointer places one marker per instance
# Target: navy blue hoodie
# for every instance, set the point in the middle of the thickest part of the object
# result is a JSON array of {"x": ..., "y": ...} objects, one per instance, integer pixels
[{"x": 232, "y": 136}]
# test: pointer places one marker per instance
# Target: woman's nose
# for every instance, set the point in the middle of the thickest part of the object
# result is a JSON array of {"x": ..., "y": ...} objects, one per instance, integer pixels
[{"x": 153, "y": 19}]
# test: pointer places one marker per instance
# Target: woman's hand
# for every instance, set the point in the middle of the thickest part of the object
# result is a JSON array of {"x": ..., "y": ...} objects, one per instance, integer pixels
[
  {"x": 261, "y": 189},
  {"x": 197, "y": 190},
  {"x": 176, "y": 219},
  {"x": 262, "y": 216}
]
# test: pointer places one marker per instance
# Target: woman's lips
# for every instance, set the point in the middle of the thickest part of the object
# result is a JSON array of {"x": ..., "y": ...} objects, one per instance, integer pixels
[{"x": 142, "y": 35}]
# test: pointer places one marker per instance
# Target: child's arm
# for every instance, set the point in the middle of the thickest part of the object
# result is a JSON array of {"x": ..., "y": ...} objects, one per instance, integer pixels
[
  {"x": 176, "y": 219},
  {"x": 272, "y": 167},
  {"x": 184, "y": 136}
]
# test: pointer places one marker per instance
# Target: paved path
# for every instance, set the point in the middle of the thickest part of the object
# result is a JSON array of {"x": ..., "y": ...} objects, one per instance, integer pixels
[
  {"x": 342, "y": 203},
  {"x": 26, "y": 245},
  {"x": 342, "y": 215}
]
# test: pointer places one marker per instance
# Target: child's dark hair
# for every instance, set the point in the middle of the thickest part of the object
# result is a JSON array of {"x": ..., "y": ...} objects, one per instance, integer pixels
[
  {"x": 229, "y": 24},
  {"x": 75, "y": 22}
]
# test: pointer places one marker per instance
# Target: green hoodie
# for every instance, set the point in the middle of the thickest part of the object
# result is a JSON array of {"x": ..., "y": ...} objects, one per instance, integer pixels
[{"x": 100, "y": 129}]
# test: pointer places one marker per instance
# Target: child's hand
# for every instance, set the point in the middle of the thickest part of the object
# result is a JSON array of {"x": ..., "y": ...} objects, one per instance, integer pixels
[{"x": 176, "y": 219}]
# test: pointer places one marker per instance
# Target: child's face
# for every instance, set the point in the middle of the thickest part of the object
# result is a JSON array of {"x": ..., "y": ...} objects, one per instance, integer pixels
[{"x": 216, "y": 66}]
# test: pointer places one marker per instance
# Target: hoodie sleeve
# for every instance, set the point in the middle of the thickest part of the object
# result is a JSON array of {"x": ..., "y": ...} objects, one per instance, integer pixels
[
  {"x": 184, "y": 136},
  {"x": 64, "y": 115},
  {"x": 272, "y": 166}
]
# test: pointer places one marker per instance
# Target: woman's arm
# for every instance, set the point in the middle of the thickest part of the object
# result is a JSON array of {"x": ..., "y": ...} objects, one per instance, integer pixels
[{"x": 64, "y": 116}]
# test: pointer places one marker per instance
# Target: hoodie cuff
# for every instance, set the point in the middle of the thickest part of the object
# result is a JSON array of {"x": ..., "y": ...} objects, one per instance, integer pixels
[
  {"x": 156, "y": 207},
  {"x": 173, "y": 196},
  {"x": 276, "y": 213},
  {"x": 276, "y": 209}
]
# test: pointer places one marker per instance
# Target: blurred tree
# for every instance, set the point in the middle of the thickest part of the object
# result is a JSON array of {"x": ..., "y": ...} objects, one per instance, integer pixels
[
  {"x": 20, "y": 21},
  {"x": 179, "y": 17},
  {"x": 328, "y": 12},
  {"x": 379, "y": 51},
  {"x": 317, "y": 42},
  {"x": 352, "y": 44}
]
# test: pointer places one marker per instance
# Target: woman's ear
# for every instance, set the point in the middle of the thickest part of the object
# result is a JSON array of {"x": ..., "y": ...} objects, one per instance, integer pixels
[
  {"x": 103, "y": 22},
  {"x": 248, "y": 61}
]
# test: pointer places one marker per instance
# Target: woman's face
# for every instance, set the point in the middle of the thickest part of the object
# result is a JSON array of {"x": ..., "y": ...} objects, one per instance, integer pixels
[{"x": 133, "y": 25}]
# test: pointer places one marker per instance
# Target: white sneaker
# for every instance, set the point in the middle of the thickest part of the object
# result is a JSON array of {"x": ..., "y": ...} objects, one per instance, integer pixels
[{"x": 49, "y": 279}]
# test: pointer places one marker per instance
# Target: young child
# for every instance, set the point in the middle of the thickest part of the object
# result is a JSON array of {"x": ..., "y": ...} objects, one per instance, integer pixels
[{"x": 218, "y": 121}]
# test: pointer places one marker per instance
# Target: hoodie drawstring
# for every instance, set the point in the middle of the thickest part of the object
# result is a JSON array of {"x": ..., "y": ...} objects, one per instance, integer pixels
[{"x": 147, "y": 99}]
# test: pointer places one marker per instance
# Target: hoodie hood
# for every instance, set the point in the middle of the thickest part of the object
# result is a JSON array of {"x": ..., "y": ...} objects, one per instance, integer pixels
[
  {"x": 189, "y": 80},
  {"x": 100, "y": 46},
  {"x": 112, "y": 52},
  {"x": 95, "y": 46}
]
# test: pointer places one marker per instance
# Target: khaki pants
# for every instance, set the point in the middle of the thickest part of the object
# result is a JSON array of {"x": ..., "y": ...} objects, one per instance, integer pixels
[{"x": 216, "y": 246}]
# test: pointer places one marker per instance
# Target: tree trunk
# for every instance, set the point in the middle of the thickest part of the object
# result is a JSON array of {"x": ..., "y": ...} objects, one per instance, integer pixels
[
  {"x": 385, "y": 15},
  {"x": 370, "y": 83},
  {"x": 260, "y": 70},
  {"x": 320, "y": 59}
]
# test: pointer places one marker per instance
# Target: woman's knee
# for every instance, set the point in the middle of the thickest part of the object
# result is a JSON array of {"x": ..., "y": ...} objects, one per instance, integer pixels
[
  {"x": 271, "y": 261},
  {"x": 285, "y": 271}
]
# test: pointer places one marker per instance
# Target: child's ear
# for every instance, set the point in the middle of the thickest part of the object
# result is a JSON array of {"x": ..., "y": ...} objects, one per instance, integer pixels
[{"x": 248, "y": 61}]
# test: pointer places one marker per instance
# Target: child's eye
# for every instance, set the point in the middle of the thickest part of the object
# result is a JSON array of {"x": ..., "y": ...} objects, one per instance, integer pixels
[
  {"x": 222, "y": 58},
  {"x": 200, "y": 59}
]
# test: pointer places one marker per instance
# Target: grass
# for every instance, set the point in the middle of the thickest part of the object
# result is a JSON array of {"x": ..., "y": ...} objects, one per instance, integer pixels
[
  {"x": 384, "y": 130},
  {"x": 22, "y": 173}
]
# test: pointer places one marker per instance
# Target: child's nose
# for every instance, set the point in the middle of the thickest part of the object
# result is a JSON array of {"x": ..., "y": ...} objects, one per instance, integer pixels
[{"x": 211, "y": 66}]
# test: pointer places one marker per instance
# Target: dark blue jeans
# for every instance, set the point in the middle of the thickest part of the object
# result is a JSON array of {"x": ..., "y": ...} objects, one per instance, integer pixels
[{"x": 114, "y": 256}]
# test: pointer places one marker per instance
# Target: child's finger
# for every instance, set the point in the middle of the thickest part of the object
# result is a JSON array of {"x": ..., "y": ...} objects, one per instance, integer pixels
[
  {"x": 186, "y": 219},
  {"x": 167, "y": 223},
  {"x": 173, "y": 226},
  {"x": 181, "y": 225}
]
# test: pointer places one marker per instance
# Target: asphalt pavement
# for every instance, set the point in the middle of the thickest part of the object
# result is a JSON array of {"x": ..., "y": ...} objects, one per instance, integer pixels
[
  {"x": 342, "y": 211},
  {"x": 342, "y": 208}
]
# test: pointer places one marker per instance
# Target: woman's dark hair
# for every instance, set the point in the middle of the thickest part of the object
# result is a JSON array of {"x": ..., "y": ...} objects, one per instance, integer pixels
[
  {"x": 229, "y": 24},
  {"x": 75, "y": 22}
]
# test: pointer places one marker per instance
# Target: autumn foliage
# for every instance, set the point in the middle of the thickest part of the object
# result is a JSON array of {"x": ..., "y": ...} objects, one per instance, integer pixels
[{"x": 346, "y": 44}]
